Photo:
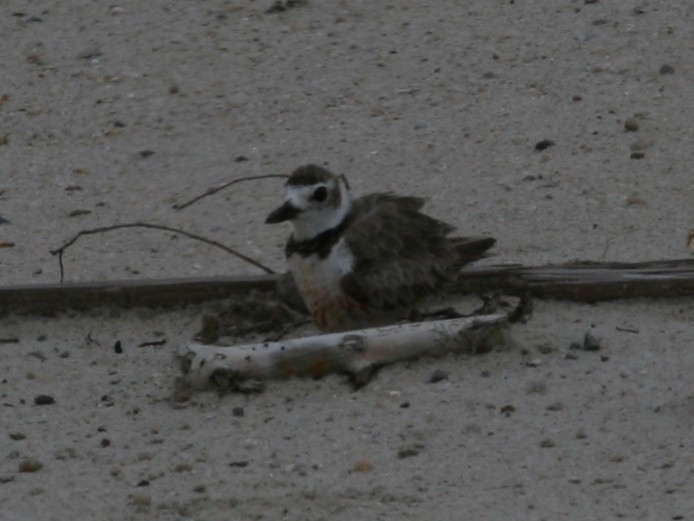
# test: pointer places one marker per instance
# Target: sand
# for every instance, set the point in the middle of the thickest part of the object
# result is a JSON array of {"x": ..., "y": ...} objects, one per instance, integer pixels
[{"x": 113, "y": 113}]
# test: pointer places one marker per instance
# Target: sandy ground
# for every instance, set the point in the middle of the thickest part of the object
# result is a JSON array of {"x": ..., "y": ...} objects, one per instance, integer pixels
[{"x": 112, "y": 112}]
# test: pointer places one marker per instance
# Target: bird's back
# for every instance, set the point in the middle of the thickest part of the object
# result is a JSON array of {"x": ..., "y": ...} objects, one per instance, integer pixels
[{"x": 401, "y": 254}]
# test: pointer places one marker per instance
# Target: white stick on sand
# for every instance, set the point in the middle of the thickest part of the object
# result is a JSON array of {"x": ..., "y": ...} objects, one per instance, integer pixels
[{"x": 356, "y": 353}]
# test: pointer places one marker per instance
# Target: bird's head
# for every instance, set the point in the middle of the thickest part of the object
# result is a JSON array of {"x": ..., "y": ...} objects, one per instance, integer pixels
[{"x": 315, "y": 200}]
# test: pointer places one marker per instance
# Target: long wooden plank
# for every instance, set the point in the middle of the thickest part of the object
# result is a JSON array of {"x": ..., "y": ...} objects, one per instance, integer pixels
[
  {"x": 52, "y": 298},
  {"x": 585, "y": 281}
]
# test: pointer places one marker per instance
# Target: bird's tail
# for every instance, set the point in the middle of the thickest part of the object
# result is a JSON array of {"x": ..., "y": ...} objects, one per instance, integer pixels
[{"x": 471, "y": 249}]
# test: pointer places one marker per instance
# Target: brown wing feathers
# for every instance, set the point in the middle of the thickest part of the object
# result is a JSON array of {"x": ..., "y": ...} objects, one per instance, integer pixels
[{"x": 404, "y": 254}]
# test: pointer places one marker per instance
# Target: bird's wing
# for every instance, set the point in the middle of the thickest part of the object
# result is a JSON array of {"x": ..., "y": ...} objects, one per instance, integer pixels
[{"x": 401, "y": 255}]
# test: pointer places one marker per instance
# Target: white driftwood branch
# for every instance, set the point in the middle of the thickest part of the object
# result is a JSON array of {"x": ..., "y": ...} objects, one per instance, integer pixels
[{"x": 355, "y": 352}]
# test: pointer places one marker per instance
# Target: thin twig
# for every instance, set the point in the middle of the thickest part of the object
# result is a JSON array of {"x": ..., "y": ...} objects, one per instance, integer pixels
[
  {"x": 59, "y": 251},
  {"x": 211, "y": 191}
]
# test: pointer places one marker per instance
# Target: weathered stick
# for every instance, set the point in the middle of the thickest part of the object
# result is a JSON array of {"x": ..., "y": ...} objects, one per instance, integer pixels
[
  {"x": 356, "y": 353},
  {"x": 102, "y": 229},
  {"x": 48, "y": 299},
  {"x": 585, "y": 282},
  {"x": 212, "y": 191}
]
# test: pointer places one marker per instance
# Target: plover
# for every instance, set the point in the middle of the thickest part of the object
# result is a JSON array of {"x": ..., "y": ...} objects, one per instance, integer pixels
[{"x": 368, "y": 261}]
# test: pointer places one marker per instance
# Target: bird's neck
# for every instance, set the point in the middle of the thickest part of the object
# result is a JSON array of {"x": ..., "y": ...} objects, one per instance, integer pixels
[{"x": 310, "y": 225}]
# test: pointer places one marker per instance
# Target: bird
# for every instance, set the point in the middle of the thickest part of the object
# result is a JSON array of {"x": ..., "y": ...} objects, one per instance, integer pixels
[{"x": 366, "y": 261}]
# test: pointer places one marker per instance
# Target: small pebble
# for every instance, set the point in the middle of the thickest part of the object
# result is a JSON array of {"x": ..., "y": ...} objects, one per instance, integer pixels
[
  {"x": 631, "y": 125},
  {"x": 507, "y": 410},
  {"x": 38, "y": 355},
  {"x": 544, "y": 144},
  {"x": 44, "y": 399},
  {"x": 547, "y": 443},
  {"x": 637, "y": 155},
  {"x": 407, "y": 452},
  {"x": 545, "y": 348},
  {"x": 141, "y": 499},
  {"x": 79, "y": 212},
  {"x": 238, "y": 411},
  {"x": 30, "y": 465},
  {"x": 363, "y": 466},
  {"x": 118, "y": 347},
  {"x": 199, "y": 489},
  {"x": 438, "y": 376},
  {"x": 17, "y": 436},
  {"x": 667, "y": 69},
  {"x": 590, "y": 342}
]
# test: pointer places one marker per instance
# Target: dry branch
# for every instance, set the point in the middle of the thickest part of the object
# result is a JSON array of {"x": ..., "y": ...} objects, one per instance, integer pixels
[
  {"x": 211, "y": 191},
  {"x": 356, "y": 353},
  {"x": 61, "y": 249}
]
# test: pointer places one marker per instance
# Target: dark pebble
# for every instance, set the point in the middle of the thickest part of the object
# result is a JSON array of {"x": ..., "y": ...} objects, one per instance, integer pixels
[
  {"x": 79, "y": 212},
  {"x": 238, "y": 411},
  {"x": 30, "y": 465},
  {"x": 38, "y": 355},
  {"x": 405, "y": 405},
  {"x": 438, "y": 376},
  {"x": 667, "y": 69},
  {"x": 544, "y": 144},
  {"x": 574, "y": 346},
  {"x": 408, "y": 452},
  {"x": 631, "y": 125},
  {"x": 146, "y": 153},
  {"x": 590, "y": 342},
  {"x": 105, "y": 442},
  {"x": 17, "y": 436},
  {"x": 44, "y": 399},
  {"x": 143, "y": 483},
  {"x": 637, "y": 155},
  {"x": 4, "y": 221},
  {"x": 240, "y": 159},
  {"x": 118, "y": 347}
]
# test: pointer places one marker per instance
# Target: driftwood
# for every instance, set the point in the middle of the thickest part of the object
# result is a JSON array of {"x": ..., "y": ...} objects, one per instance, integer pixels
[
  {"x": 585, "y": 282},
  {"x": 356, "y": 353},
  {"x": 48, "y": 299}
]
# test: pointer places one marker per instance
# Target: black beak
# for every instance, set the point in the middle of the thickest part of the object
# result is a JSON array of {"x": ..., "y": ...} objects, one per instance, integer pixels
[{"x": 283, "y": 213}]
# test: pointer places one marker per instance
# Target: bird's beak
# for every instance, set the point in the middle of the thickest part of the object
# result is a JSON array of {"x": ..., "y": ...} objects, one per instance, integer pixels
[{"x": 284, "y": 213}]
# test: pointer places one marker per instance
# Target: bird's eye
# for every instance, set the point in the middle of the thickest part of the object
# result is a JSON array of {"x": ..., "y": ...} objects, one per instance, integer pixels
[{"x": 319, "y": 194}]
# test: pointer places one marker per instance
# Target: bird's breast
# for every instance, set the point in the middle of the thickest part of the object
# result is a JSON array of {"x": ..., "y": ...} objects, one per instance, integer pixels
[{"x": 318, "y": 279}]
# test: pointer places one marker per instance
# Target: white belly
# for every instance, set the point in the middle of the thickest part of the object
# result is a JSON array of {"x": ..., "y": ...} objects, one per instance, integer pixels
[{"x": 318, "y": 279}]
